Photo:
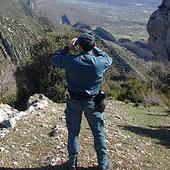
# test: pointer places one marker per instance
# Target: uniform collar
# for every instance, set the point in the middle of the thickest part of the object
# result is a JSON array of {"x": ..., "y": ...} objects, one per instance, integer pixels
[{"x": 85, "y": 52}]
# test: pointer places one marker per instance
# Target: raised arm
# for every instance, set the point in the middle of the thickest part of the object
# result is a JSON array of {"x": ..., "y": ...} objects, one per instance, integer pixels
[{"x": 59, "y": 58}]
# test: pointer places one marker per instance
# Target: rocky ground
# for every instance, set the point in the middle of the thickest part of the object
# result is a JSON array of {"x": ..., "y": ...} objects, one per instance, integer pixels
[{"x": 137, "y": 137}]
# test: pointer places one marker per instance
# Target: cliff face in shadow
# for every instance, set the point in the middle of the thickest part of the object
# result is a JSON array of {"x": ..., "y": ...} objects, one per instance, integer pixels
[
  {"x": 7, "y": 79},
  {"x": 18, "y": 30}
]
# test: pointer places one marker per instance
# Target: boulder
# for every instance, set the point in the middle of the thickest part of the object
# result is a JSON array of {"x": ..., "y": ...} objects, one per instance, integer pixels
[
  {"x": 82, "y": 27},
  {"x": 104, "y": 34},
  {"x": 65, "y": 20},
  {"x": 37, "y": 102},
  {"x": 10, "y": 116}
]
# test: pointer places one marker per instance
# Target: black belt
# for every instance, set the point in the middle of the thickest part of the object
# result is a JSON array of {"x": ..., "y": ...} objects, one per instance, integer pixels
[{"x": 75, "y": 96}]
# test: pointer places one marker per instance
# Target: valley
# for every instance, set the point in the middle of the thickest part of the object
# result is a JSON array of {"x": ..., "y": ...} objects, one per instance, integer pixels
[
  {"x": 122, "y": 18},
  {"x": 33, "y": 133}
]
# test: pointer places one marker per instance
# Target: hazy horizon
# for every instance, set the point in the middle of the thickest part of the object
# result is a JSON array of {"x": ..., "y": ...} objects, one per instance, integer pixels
[{"x": 150, "y": 3}]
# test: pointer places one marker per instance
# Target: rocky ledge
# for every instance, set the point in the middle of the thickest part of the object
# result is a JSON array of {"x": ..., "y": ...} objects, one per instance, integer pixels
[{"x": 10, "y": 116}]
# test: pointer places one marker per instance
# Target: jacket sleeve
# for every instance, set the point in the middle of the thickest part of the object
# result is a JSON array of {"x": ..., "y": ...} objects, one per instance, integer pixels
[
  {"x": 100, "y": 53},
  {"x": 59, "y": 58}
]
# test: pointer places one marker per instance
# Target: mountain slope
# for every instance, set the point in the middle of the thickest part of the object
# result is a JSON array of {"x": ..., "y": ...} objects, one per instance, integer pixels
[
  {"x": 18, "y": 25},
  {"x": 19, "y": 29},
  {"x": 123, "y": 19}
]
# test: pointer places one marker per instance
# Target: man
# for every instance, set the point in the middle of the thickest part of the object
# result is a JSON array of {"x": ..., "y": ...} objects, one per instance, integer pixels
[{"x": 84, "y": 75}]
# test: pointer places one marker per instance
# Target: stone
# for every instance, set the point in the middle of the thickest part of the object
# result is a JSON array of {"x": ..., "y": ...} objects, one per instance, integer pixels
[
  {"x": 5, "y": 124},
  {"x": 65, "y": 20},
  {"x": 104, "y": 34},
  {"x": 37, "y": 102},
  {"x": 3, "y": 132},
  {"x": 2, "y": 149},
  {"x": 57, "y": 131},
  {"x": 82, "y": 27},
  {"x": 10, "y": 116}
]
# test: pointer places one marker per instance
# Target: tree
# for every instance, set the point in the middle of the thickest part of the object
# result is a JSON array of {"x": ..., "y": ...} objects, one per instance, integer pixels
[{"x": 39, "y": 75}]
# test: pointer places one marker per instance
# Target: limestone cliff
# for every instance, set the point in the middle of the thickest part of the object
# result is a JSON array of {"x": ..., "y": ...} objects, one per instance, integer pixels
[
  {"x": 159, "y": 31},
  {"x": 18, "y": 31}
]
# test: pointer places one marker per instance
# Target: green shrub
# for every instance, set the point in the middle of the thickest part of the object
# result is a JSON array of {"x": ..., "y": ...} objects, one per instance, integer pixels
[
  {"x": 39, "y": 75},
  {"x": 134, "y": 91},
  {"x": 112, "y": 89},
  {"x": 9, "y": 99}
]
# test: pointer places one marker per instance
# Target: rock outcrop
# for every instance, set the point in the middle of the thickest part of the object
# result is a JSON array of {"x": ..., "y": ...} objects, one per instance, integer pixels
[
  {"x": 158, "y": 28},
  {"x": 9, "y": 50},
  {"x": 65, "y": 20},
  {"x": 140, "y": 48},
  {"x": 10, "y": 60},
  {"x": 9, "y": 116},
  {"x": 31, "y": 4},
  {"x": 81, "y": 27},
  {"x": 104, "y": 34},
  {"x": 127, "y": 62}
]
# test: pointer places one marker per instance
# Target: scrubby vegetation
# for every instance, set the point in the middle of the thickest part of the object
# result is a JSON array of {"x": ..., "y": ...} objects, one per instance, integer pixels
[
  {"x": 133, "y": 91},
  {"x": 38, "y": 75},
  {"x": 160, "y": 79}
]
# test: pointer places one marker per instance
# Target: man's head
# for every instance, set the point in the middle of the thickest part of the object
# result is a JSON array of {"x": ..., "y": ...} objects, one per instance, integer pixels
[{"x": 86, "y": 41}]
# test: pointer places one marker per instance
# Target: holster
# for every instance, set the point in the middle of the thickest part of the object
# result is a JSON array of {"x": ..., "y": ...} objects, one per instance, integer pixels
[
  {"x": 79, "y": 97},
  {"x": 99, "y": 101}
]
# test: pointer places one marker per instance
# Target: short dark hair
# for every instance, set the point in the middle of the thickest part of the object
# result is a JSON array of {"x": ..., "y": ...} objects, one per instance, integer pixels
[
  {"x": 87, "y": 47},
  {"x": 86, "y": 41}
]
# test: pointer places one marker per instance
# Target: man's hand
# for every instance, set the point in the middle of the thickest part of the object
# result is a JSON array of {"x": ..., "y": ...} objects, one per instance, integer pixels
[{"x": 72, "y": 44}]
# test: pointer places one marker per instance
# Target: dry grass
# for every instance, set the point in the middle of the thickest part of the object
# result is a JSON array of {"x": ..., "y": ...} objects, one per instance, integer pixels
[{"x": 135, "y": 138}]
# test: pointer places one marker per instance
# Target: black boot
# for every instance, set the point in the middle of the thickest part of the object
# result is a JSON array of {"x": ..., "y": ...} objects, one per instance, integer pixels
[
  {"x": 107, "y": 167},
  {"x": 70, "y": 167}
]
